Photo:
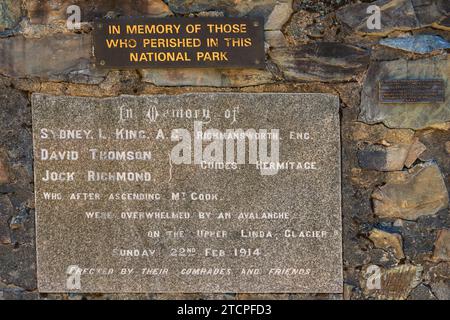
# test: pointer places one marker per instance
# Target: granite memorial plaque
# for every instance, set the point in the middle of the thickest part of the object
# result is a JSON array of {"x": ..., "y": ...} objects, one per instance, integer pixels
[{"x": 214, "y": 192}]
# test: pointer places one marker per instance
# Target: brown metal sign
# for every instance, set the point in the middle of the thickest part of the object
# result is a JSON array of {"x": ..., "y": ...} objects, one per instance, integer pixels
[
  {"x": 408, "y": 91},
  {"x": 217, "y": 42}
]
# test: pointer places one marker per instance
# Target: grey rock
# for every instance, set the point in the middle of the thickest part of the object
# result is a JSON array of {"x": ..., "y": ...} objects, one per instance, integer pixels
[
  {"x": 383, "y": 258},
  {"x": 51, "y": 11},
  {"x": 415, "y": 150},
  {"x": 18, "y": 266},
  {"x": 410, "y": 195},
  {"x": 434, "y": 140},
  {"x": 87, "y": 75},
  {"x": 229, "y": 7},
  {"x": 390, "y": 157},
  {"x": 421, "y": 292},
  {"x": 186, "y": 6},
  {"x": 296, "y": 31},
  {"x": 53, "y": 57},
  {"x": 16, "y": 141},
  {"x": 430, "y": 11},
  {"x": 279, "y": 16},
  {"x": 382, "y": 158},
  {"x": 419, "y": 236},
  {"x": 441, "y": 289},
  {"x": 353, "y": 253},
  {"x": 6, "y": 212},
  {"x": 395, "y": 15},
  {"x": 274, "y": 12},
  {"x": 349, "y": 93},
  {"x": 322, "y": 7},
  {"x": 321, "y": 61},
  {"x": 18, "y": 220},
  {"x": 15, "y": 136},
  {"x": 10, "y": 13},
  {"x": 275, "y": 39},
  {"x": 18, "y": 294},
  {"x": 418, "y": 44},
  {"x": 405, "y": 115}
]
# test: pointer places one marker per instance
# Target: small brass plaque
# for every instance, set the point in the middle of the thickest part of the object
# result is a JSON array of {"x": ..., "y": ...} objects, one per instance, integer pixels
[{"x": 412, "y": 91}]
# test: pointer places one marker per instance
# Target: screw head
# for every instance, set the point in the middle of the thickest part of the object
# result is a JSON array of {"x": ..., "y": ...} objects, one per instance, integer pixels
[
  {"x": 102, "y": 62},
  {"x": 256, "y": 24},
  {"x": 99, "y": 25}
]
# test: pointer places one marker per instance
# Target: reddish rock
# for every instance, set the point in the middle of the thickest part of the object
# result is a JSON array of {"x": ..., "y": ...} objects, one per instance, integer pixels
[
  {"x": 441, "y": 250},
  {"x": 447, "y": 147},
  {"x": 4, "y": 171},
  {"x": 296, "y": 31},
  {"x": 349, "y": 94},
  {"x": 49, "y": 11},
  {"x": 207, "y": 77},
  {"x": 370, "y": 133},
  {"x": 388, "y": 241},
  {"x": 415, "y": 150}
]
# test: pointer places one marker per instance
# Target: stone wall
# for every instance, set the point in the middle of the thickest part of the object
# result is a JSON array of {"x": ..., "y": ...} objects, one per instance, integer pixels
[{"x": 396, "y": 163}]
